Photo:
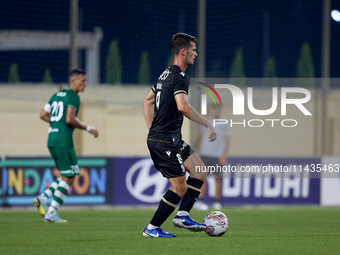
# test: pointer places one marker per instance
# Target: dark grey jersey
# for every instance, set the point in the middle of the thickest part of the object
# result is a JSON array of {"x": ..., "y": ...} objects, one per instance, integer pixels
[{"x": 167, "y": 122}]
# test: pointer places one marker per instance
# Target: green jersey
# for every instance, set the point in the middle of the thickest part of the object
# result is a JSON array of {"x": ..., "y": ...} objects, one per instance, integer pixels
[{"x": 60, "y": 133}]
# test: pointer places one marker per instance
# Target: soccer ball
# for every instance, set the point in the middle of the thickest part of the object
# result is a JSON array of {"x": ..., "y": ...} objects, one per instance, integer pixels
[{"x": 217, "y": 223}]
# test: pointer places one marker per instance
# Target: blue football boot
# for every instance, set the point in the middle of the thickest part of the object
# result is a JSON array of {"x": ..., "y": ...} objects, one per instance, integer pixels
[
  {"x": 54, "y": 219},
  {"x": 188, "y": 223},
  {"x": 158, "y": 232}
]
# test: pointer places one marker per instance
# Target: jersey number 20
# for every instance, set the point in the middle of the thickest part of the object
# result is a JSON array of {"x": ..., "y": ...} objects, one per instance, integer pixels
[{"x": 57, "y": 111}]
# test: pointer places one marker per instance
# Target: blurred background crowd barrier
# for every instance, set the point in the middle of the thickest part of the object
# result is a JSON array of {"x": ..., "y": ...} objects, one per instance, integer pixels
[{"x": 117, "y": 112}]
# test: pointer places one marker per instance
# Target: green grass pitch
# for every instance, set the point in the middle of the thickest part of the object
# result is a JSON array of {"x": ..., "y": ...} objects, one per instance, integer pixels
[{"x": 258, "y": 230}]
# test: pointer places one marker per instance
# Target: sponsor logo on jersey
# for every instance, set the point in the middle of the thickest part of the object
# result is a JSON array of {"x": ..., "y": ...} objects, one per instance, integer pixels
[
  {"x": 53, "y": 130},
  {"x": 168, "y": 152}
]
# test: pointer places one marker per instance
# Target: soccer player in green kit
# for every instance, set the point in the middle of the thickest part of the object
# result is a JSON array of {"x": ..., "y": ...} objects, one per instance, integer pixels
[{"x": 61, "y": 112}]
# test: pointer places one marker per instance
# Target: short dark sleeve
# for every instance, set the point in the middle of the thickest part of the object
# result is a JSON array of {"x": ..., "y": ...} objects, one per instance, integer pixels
[
  {"x": 181, "y": 85},
  {"x": 153, "y": 88}
]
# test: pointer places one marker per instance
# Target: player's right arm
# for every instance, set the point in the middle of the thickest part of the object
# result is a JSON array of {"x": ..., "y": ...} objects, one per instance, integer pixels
[
  {"x": 74, "y": 121},
  {"x": 148, "y": 108}
]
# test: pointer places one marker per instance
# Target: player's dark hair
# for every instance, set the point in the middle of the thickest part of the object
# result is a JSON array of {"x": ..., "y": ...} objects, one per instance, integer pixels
[
  {"x": 76, "y": 72},
  {"x": 180, "y": 41}
]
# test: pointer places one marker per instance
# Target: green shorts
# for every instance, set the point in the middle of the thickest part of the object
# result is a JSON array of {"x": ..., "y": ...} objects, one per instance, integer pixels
[{"x": 66, "y": 161}]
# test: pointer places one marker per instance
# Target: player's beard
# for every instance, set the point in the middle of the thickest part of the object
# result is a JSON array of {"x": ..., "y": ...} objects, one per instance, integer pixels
[{"x": 190, "y": 63}]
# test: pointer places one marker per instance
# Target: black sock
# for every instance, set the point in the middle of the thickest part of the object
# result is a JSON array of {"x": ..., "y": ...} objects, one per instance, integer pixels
[
  {"x": 194, "y": 190},
  {"x": 166, "y": 206}
]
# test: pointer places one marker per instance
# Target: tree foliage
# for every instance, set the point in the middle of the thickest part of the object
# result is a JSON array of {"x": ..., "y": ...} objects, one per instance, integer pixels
[
  {"x": 113, "y": 64},
  {"x": 47, "y": 76},
  {"x": 237, "y": 73},
  {"x": 13, "y": 75},
  {"x": 270, "y": 73},
  {"x": 144, "y": 69}
]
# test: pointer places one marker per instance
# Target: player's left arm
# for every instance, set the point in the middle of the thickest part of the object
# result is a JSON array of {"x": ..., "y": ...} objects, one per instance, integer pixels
[
  {"x": 74, "y": 121},
  {"x": 148, "y": 108},
  {"x": 45, "y": 113},
  {"x": 189, "y": 112}
]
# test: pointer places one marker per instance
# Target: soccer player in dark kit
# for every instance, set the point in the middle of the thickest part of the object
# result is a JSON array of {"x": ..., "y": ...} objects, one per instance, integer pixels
[{"x": 164, "y": 107}]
